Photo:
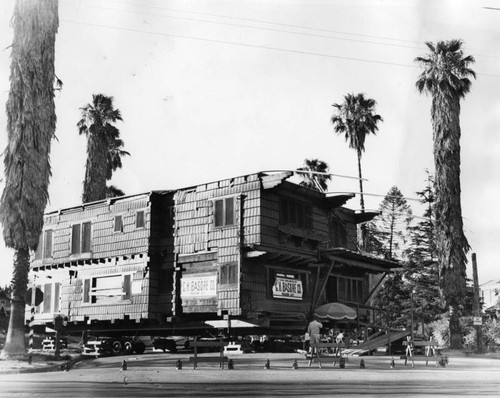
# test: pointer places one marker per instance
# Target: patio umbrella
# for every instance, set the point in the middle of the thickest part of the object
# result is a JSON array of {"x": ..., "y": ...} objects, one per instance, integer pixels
[{"x": 335, "y": 311}]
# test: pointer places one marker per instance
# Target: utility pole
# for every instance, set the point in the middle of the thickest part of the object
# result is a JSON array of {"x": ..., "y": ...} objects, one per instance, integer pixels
[{"x": 478, "y": 322}]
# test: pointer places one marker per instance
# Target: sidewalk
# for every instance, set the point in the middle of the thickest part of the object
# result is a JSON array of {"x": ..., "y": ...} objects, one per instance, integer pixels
[{"x": 151, "y": 361}]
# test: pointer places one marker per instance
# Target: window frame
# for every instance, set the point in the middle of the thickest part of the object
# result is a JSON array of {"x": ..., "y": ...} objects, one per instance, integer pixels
[
  {"x": 89, "y": 289},
  {"x": 143, "y": 212},
  {"x": 296, "y": 213},
  {"x": 225, "y": 208},
  {"x": 81, "y": 238},
  {"x": 41, "y": 250},
  {"x": 115, "y": 219},
  {"x": 230, "y": 273}
]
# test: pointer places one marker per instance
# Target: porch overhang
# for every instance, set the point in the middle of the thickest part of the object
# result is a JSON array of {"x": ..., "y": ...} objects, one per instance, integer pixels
[
  {"x": 341, "y": 256},
  {"x": 365, "y": 216}
]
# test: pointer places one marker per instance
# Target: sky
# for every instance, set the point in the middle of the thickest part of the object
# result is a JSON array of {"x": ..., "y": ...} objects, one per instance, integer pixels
[{"x": 215, "y": 89}]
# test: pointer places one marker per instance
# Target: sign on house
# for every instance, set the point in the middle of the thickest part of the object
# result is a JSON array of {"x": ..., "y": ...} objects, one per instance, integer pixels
[
  {"x": 197, "y": 286},
  {"x": 287, "y": 286}
]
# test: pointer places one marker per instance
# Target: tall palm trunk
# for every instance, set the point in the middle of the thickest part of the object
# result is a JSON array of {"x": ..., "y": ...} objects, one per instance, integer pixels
[
  {"x": 94, "y": 185},
  {"x": 31, "y": 122},
  {"x": 451, "y": 242},
  {"x": 15, "y": 344},
  {"x": 362, "y": 228},
  {"x": 361, "y": 198}
]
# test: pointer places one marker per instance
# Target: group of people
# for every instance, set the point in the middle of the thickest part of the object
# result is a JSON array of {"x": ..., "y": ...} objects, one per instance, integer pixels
[{"x": 314, "y": 335}]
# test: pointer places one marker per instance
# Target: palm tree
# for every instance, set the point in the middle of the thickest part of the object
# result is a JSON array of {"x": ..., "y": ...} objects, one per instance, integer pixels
[
  {"x": 356, "y": 118},
  {"x": 31, "y": 123},
  {"x": 104, "y": 145},
  {"x": 113, "y": 192},
  {"x": 446, "y": 77},
  {"x": 318, "y": 177}
]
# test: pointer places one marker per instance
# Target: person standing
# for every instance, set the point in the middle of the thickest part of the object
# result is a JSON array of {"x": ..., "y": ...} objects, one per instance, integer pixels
[{"x": 314, "y": 331}]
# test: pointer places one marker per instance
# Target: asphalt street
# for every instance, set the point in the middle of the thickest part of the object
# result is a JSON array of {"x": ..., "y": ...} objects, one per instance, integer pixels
[{"x": 155, "y": 375}]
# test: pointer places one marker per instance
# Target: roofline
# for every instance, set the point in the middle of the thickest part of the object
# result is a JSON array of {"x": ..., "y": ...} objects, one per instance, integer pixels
[
  {"x": 259, "y": 174},
  {"x": 107, "y": 200}
]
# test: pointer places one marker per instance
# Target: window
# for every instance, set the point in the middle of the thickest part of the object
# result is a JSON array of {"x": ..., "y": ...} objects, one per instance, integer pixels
[
  {"x": 228, "y": 274},
  {"x": 80, "y": 238},
  {"x": 107, "y": 289},
  {"x": 57, "y": 292},
  {"x": 139, "y": 219},
  {"x": 51, "y": 299},
  {"x": 338, "y": 234},
  {"x": 295, "y": 213},
  {"x": 224, "y": 212},
  {"x": 47, "y": 297},
  {"x": 349, "y": 289},
  {"x": 44, "y": 248},
  {"x": 118, "y": 224}
]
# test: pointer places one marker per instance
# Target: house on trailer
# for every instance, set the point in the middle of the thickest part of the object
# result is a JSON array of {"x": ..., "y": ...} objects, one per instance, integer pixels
[
  {"x": 266, "y": 252},
  {"x": 105, "y": 262},
  {"x": 257, "y": 249}
]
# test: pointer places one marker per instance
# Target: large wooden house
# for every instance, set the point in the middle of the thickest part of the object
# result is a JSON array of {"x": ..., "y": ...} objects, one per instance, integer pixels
[{"x": 257, "y": 249}]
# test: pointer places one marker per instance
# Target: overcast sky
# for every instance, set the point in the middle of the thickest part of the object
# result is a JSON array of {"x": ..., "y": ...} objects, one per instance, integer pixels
[{"x": 213, "y": 89}]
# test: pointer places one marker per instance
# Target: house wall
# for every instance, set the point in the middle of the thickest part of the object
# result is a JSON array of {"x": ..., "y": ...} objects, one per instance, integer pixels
[
  {"x": 123, "y": 258},
  {"x": 195, "y": 232}
]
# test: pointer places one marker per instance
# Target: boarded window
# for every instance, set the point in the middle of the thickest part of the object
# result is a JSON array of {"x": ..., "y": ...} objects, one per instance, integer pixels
[
  {"x": 57, "y": 292},
  {"x": 228, "y": 274},
  {"x": 80, "y": 238},
  {"x": 118, "y": 224},
  {"x": 224, "y": 212},
  {"x": 139, "y": 219},
  {"x": 47, "y": 297}
]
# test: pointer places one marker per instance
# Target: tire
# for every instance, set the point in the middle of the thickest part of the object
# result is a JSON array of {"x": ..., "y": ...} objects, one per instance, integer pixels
[
  {"x": 116, "y": 347},
  {"x": 139, "y": 347},
  {"x": 127, "y": 347}
]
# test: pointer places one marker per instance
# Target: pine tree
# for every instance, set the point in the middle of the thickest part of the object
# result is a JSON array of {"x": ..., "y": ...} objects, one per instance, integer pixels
[
  {"x": 387, "y": 234},
  {"x": 421, "y": 270}
]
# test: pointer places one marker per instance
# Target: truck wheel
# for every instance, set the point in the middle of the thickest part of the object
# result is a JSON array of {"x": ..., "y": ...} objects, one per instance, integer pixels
[
  {"x": 127, "y": 347},
  {"x": 117, "y": 347},
  {"x": 139, "y": 347}
]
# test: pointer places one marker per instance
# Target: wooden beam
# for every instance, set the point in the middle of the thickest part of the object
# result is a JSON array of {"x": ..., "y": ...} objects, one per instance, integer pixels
[
  {"x": 324, "y": 284},
  {"x": 314, "y": 291},
  {"x": 376, "y": 287},
  {"x": 359, "y": 264}
]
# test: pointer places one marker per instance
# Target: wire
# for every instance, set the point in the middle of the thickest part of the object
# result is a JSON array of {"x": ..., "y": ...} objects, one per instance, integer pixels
[
  {"x": 242, "y": 44},
  {"x": 497, "y": 55},
  {"x": 300, "y": 52},
  {"x": 268, "y": 22},
  {"x": 254, "y": 27}
]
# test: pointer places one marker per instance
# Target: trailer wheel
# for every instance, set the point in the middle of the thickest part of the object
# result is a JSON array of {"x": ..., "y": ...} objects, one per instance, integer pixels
[
  {"x": 117, "y": 347},
  {"x": 139, "y": 347},
  {"x": 127, "y": 347}
]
